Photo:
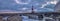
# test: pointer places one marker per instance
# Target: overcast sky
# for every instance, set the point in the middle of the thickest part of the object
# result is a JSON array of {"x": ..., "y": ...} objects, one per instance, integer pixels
[{"x": 26, "y": 5}]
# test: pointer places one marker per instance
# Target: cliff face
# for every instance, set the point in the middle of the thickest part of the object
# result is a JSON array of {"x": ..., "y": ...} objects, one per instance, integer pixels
[{"x": 57, "y": 7}]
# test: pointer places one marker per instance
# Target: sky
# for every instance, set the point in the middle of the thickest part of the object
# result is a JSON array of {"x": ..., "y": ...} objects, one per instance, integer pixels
[{"x": 26, "y": 5}]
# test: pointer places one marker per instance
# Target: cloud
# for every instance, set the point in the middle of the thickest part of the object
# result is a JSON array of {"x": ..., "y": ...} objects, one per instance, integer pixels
[
  {"x": 53, "y": 2},
  {"x": 43, "y": 5},
  {"x": 24, "y": 8},
  {"x": 47, "y": 3},
  {"x": 19, "y": 2}
]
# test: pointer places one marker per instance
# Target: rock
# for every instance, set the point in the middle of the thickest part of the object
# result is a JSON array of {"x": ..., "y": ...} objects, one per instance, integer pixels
[
  {"x": 15, "y": 18},
  {"x": 1, "y": 18}
]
